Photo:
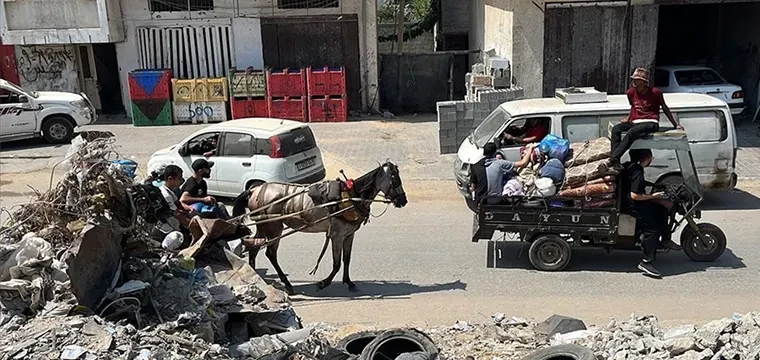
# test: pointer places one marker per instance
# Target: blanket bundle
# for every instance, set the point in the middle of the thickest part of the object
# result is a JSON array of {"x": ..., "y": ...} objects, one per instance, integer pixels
[{"x": 587, "y": 173}]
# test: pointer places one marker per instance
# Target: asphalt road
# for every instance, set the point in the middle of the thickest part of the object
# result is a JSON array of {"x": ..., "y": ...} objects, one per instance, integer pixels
[{"x": 417, "y": 266}]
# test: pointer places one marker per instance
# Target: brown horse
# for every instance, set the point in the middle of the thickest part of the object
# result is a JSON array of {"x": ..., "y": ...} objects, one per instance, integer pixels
[{"x": 339, "y": 230}]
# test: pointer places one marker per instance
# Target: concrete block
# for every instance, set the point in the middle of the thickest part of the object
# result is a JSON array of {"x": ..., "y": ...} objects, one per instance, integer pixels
[
  {"x": 519, "y": 92},
  {"x": 501, "y": 82},
  {"x": 449, "y": 142},
  {"x": 447, "y": 125},
  {"x": 510, "y": 94},
  {"x": 444, "y": 134},
  {"x": 460, "y": 115},
  {"x": 469, "y": 106},
  {"x": 445, "y": 105},
  {"x": 460, "y": 106},
  {"x": 448, "y": 150},
  {"x": 447, "y": 116},
  {"x": 465, "y": 124}
]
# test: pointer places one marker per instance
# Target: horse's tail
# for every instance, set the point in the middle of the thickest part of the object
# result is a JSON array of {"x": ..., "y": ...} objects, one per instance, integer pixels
[{"x": 241, "y": 203}]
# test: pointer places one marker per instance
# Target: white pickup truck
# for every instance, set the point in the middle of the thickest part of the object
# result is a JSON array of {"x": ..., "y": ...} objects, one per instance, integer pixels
[{"x": 49, "y": 114}]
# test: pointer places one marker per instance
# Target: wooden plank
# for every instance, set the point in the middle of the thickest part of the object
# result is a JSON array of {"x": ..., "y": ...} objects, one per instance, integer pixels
[
  {"x": 350, "y": 40},
  {"x": 181, "y": 49},
  {"x": 210, "y": 48},
  {"x": 191, "y": 55},
  {"x": 175, "y": 50},
  {"x": 166, "y": 61},
  {"x": 200, "y": 45},
  {"x": 558, "y": 49},
  {"x": 270, "y": 45},
  {"x": 217, "y": 51},
  {"x": 227, "y": 46},
  {"x": 586, "y": 49},
  {"x": 644, "y": 37},
  {"x": 141, "y": 47},
  {"x": 149, "y": 63},
  {"x": 615, "y": 47}
]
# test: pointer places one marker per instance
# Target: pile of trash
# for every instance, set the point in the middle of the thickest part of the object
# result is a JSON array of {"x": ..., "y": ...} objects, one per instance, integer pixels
[{"x": 81, "y": 276}]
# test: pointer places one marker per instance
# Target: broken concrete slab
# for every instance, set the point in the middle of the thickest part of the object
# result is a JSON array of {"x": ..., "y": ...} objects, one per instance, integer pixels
[
  {"x": 93, "y": 260},
  {"x": 558, "y": 324}
]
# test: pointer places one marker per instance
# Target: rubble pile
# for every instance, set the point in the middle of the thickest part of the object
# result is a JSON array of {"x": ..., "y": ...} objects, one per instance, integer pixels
[{"x": 81, "y": 277}]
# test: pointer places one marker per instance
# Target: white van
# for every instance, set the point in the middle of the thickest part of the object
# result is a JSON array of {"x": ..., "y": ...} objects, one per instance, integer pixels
[{"x": 707, "y": 121}]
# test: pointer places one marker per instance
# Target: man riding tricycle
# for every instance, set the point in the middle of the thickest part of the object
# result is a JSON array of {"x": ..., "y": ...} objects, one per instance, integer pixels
[{"x": 630, "y": 218}]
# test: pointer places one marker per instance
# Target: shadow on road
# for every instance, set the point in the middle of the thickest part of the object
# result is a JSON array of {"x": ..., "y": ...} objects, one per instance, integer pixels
[
  {"x": 29, "y": 144},
  {"x": 373, "y": 289},
  {"x": 731, "y": 200},
  {"x": 514, "y": 255}
]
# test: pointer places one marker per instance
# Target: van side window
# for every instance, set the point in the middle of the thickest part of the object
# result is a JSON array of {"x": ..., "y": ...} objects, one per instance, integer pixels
[
  {"x": 579, "y": 128},
  {"x": 662, "y": 78},
  {"x": 702, "y": 126},
  {"x": 520, "y": 132},
  {"x": 238, "y": 145}
]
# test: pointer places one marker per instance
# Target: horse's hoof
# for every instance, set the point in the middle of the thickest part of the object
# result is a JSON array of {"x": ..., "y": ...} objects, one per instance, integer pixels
[
  {"x": 322, "y": 285},
  {"x": 351, "y": 286}
]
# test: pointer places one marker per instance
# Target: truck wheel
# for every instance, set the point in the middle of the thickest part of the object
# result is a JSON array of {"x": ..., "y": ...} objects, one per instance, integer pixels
[
  {"x": 57, "y": 130},
  {"x": 695, "y": 250},
  {"x": 549, "y": 253}
]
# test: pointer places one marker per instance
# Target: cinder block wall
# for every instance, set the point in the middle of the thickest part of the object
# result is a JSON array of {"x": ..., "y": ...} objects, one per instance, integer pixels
[{"x": 457, "y": 119}]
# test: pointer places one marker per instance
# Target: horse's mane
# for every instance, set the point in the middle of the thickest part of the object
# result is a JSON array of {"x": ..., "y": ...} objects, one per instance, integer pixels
[{"x": 365, "y": 183}]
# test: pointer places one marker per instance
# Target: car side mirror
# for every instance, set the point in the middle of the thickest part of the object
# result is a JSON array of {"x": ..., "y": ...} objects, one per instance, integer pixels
[
  {"x": 23, "y": 99},
  {"x": 182, "y": 150}
]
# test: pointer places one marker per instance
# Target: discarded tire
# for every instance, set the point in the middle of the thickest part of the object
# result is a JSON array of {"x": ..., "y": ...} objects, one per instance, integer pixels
[
  {"x": 392, "y": 343},
  {"x": 355, "y": 343},
  {"x": 562, "y": 352}
]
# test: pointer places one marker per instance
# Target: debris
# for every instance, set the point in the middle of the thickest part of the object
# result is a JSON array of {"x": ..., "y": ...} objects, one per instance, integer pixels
[
  {"x": 72, "y": 352},
  {"x": 558, "y": 324}
]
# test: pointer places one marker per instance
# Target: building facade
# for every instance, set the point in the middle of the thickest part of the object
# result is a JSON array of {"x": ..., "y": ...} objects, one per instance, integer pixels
[
  {"x": 560, "y": 43},
  {"x": 195, "y": 38}
]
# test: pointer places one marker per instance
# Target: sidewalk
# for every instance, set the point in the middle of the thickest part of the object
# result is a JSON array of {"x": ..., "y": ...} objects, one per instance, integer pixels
[{"x": 748, "y": 155}]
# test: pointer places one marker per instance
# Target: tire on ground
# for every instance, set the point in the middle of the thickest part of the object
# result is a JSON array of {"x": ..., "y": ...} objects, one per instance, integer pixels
[
  {"x": 57, "y": 130},
  {"x": 549, "y": 252},
  {"x": 691, "y": 247},
  {"x": 562, "y": 352},
  {"x": 355, "y": 343},
  {"x": 392, "y": 343}
]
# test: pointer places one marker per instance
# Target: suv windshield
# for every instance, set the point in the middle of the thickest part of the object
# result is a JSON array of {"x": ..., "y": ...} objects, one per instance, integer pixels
[
  {"x": 698, "y": 77},
  {"x": 489, "y": 126}
]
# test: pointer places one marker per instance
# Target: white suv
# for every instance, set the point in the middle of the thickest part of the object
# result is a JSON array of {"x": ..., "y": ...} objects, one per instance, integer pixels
[
  {"x": 247, "y": 152},
  {"x": 49, "y": 114}
]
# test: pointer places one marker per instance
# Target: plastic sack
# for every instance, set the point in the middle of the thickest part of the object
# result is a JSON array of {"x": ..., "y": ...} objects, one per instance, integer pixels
[
  {"x": 555, "y": 147},
  {"x": 553, "y": 169},
  {"x": 545, "y": 187},
  {"x": 128, "y": 167},
  {"x": 172, "y": 241}
]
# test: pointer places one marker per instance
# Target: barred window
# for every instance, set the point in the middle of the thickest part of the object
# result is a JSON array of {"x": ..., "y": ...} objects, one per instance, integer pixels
[
  {"x": 181, "y": 5},
  {"x": 306, "y": 4}
]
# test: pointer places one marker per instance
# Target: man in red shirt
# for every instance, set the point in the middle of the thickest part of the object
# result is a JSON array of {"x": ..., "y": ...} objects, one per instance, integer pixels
[
  {"x": 644, "y": 117},
  {"x": 535, "y": 132}
]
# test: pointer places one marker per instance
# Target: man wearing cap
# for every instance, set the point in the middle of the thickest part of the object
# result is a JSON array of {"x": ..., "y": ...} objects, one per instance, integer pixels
[
  {"x": 195, "y": 191},
  {"x": 644, "y": 117}
]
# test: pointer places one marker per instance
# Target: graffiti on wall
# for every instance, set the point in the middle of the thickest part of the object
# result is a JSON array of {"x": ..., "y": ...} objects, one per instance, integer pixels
[
  {"x": 43, "y": 62},
  {"x": 48, "y": 67}
]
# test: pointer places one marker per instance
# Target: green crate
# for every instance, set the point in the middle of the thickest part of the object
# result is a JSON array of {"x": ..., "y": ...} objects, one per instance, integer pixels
[
  {"x": 247, "y": 83},
  {"x": 152, "y": 113}
]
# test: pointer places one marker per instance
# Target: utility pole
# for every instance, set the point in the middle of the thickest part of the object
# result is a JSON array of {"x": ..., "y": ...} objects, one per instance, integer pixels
[{"x": 400, "y": 26}]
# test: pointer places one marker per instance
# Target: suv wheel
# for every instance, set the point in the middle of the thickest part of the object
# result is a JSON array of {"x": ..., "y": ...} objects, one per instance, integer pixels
[{"x": 58, "y": 130}]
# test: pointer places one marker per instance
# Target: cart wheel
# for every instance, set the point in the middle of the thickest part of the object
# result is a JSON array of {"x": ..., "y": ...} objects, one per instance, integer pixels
[
  {"x": 694, "y": 248},
  {"x": 549, "y": 253}
]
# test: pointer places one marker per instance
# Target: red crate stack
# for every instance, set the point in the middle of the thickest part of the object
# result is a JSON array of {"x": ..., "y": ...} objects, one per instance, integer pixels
[
  {"x": 327, "y": 94},
  {"x": 291, "y": 108},
  {"x": 286, "y": 94},
  {"x": 248, "y": 107}
]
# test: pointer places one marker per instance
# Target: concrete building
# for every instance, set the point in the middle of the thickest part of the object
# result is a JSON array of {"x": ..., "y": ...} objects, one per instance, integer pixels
[
  {"x": 57, "y": 45},
  {"x": 558, "y": 43},
  {"x": 195, "y": 38}
]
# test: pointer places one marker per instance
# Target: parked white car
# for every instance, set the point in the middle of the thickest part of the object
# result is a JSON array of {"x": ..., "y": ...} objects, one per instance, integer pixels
[
  {"x": 248, "y": 152},
  {"x": 50, "y": 114},
  {"x": 701, "y": 80}
]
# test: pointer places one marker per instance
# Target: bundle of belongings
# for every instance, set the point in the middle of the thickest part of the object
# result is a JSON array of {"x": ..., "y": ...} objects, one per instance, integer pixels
[{"x": 578, "y": 170}]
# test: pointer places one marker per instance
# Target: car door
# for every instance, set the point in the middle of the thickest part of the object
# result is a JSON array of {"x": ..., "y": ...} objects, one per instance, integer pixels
[
  {"x": 234, "y": 161},
  {"x": 194, "y": 149},
  {"x": 17, "y": 114}
]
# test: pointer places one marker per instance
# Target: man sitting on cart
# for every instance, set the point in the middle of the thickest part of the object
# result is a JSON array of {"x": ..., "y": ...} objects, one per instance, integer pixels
[
  {"x": 497, "y": 171},
  {"x": 195, "y": 192},
  {"x": 650, "y": 210}
]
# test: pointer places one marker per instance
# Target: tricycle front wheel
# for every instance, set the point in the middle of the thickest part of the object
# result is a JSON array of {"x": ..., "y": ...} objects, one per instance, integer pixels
[
  {"x": 549, "y": 253},
  {"x": 696, "y": 250}
]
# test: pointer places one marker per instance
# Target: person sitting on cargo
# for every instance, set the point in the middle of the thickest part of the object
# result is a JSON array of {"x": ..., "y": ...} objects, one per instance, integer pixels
[
  {"x": 644, "y": 117},
  {"x": 535, "y": 131},
  {"x": 497, "y": 170},
  {"x": 171, "y": 180},
  {"x": 195, "y": 192},
  {"x": 650, "y": 210}
]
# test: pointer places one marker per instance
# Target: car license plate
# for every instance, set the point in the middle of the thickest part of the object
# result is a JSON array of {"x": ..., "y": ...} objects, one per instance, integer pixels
[{"x": 306, "y": 164}]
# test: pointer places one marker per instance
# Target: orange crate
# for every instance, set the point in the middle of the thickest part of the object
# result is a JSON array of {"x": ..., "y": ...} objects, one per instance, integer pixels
[
  {"x": 326, "y": 81},
  {"x": 286, "y": 83}
]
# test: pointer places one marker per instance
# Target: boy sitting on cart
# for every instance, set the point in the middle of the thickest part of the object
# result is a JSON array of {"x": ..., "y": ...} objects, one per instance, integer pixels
[
  {"x": 650, "y": 210},
  {"x": 490, "y": 173}
]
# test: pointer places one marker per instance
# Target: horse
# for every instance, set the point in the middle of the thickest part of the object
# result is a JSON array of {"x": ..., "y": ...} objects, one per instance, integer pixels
[{"x": 338, "y": 229}]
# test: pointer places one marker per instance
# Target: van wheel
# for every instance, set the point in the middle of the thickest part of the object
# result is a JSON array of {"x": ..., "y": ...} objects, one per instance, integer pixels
[
  {"x": 58, "y": 130},
  {"x": 549, "y": 253}
]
